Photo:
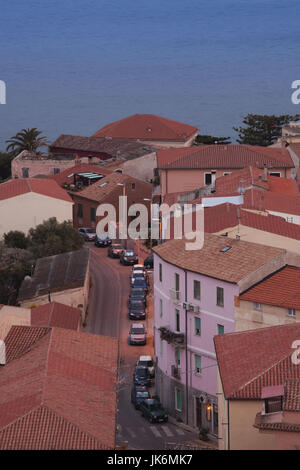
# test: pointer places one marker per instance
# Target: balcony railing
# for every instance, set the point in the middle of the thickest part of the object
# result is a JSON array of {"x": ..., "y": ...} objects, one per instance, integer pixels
[{"x": 171, "y": 336}]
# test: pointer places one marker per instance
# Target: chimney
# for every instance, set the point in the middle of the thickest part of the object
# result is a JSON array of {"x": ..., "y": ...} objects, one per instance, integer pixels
[
  {"x": 2, "y": 353},
  {"x": 265, "y": 172}
]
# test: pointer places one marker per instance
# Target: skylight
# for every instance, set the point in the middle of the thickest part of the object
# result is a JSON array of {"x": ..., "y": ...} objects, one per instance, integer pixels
[{"x": 226, "y": 248}]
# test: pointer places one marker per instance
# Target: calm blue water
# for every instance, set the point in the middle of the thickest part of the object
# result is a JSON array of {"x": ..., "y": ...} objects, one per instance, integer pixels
[{"x": 73, "y": 66}]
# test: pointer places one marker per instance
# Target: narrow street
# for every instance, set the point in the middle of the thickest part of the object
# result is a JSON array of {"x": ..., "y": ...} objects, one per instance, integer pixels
[{"x": 108, "y": 315}]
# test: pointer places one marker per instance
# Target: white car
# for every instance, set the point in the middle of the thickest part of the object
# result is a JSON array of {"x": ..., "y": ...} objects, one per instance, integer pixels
[
  {"x": 147, "y": 361},
  {"x": 138, "y": 268}
]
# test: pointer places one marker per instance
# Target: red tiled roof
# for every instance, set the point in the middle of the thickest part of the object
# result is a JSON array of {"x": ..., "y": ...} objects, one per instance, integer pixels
[
  {"x": 147, "y": 127},
  {"x": 228, "y": 215},
  {"x": 56, "y": 314},
  {"x": 267, "y": 200},
  {"x": 254, "y": 177},
  {"x": 280, "y": 289},
  {"x": 223, "y": 156},
  {"x": 46, "y": 187},
  {"x": 253, "y": 359},
  {"x": 64, "y": 176},
  {"x": 60, "y": 392},
  {"x": 232, "y": 266}
]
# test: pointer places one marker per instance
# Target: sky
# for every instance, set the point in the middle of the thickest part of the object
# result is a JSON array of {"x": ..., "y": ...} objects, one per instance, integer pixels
[{"x": 73, "y": 66}]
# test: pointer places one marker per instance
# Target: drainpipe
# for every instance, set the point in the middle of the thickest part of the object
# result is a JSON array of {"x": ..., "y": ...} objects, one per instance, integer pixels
[
  {"x": 186, "y": 355},
  {"x": 228, "y": 427}
]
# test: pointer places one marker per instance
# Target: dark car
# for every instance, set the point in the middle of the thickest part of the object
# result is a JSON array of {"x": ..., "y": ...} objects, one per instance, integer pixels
[
  {"x": 141, "y": 376},
  {"x": 135, "y": 275},
  {"x": 138, "y": 294},
  {"x": 102, "y": 241},
  {"x": 140, "y": 283},
  {"x": 138, "y": 394},
  {"x": 148, "y": 263},
  {"x": 88, "y": 234},
  {"x": 153, "y": 411},
  {"x": 115, "y": 250},
  {"x": 136, "y": 309},
  {"x": 128, "y": 257}
]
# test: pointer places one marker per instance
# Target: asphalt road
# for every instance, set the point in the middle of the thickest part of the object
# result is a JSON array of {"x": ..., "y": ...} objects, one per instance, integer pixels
[{"x": 108, "y": 315}]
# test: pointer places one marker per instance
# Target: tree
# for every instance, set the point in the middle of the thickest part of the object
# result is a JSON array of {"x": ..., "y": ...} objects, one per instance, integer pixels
[
  {"x": 15, "y": 264},
  {"x": 5, "y": 165},
  {"x": 16, "y": 239},
  {"x": 51, "y": 238},
  {"x": 26, "y": 139},
  {"x": 210, "y": 140},
  {"x": 262, "y": 130}
]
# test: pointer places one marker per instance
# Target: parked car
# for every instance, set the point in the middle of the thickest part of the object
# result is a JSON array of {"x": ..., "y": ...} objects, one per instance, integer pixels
[
  {"x": 138, "y": 294},
  {"x": 137, "y": 275},
  {"x": 128, "y": 257},
  {"x": 138, "y": 394},
  {"x": 140, "y": 283},
  {"x": 141, "y": 376},
  {"x": 88, "y": 234},
  {"x": 102, "y": 241},
  {"x": 147, "y": 361},
  {"x": 137, "y": 334},
  {"x": 115, "y": 250},
  {"x": 153, "y": 411},
  {"x": 138, "y": 267},
  {"x": 148, "y": 263},
  {"x": 136, "y": 309}
]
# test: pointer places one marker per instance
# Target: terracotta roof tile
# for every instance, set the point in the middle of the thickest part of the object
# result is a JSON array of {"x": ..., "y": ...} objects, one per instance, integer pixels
[
  {"x": 223, "y": 156},
  {"x": 118, "y": 148},
  {"x": 56, "y": 314},
  {"x": 147, "y": 127},
  {"x": 253, "y": 359},
  {"x": 59, "y": 391},
  {"x": 232, "y": 266},
  {"x": 45, "y": 187}
]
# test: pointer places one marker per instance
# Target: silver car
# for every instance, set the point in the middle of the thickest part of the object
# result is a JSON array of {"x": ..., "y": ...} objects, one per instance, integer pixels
[{"x": 137, "y": 334}]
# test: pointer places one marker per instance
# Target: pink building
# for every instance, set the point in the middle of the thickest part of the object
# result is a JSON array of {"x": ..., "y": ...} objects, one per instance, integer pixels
[{"x": 194, "y": 295}]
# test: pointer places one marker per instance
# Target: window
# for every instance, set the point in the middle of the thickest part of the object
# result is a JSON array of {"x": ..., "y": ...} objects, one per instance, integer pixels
[
  {"x": 93, "y": 214},
  {"x": 197, "y": 326},
  {"x": 226, "y": 173},
  {"x": 275, "y": 173},
  {"x": 56, "y": 171},
  {"x": 161, "y": 344},
  {"x": 25, "y": 172},
  {"x": 80, "y": 211},
  {"x": 291, "y": 312},
  {"x": 220, "y": 329},
  {"x": 178, "y": 404},
  {"x": 198, "y": 369},
  {"x": 220, "y": 296},
  {"x": 177, "y": 356},
  {"x": 207, "y": 178},
  {"x": 133, "y": 186},
  {"x": 160, "y": 308},
  {"x": 257, "y": 306},
  {"x": 177, "y": 282},
  {"x": 177, "y": 319},
  {"x": 197, "y": 290},
  {"x": 208, "y": 411},
  {"x": 160, "y": 272}
]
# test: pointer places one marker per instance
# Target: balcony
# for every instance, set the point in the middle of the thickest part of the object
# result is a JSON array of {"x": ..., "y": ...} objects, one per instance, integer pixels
[
  {"x": 178, "y": 339},
  {"x": 174, "y": 296},
  {"x": 175, "y": 371}
]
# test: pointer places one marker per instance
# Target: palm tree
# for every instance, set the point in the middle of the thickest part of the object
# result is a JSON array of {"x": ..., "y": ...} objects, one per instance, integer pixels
[{"x": 26, "y": 139}]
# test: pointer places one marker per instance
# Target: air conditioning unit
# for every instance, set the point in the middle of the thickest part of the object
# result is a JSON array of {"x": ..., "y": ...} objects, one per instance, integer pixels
[
  {"x": 185, "y": 306},
  {"x": 194, "y": 308}
]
